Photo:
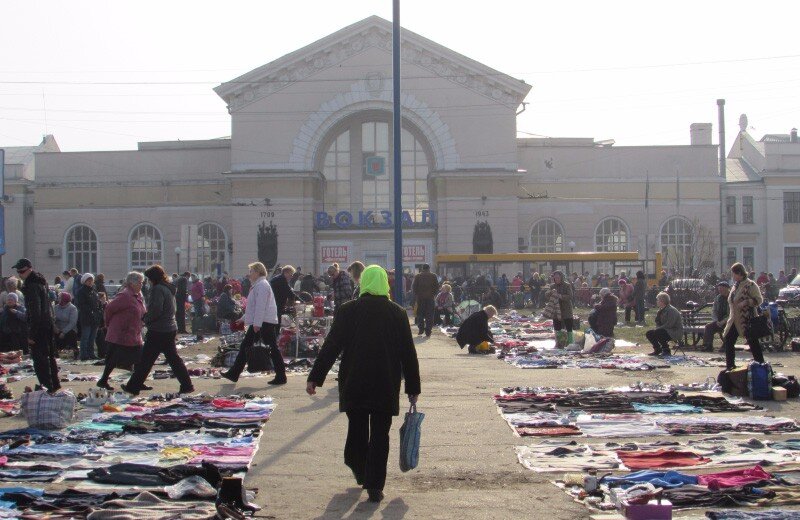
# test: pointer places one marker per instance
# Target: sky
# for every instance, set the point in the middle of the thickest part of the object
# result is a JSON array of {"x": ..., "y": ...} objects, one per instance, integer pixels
[{"x": 104, "y": 75}]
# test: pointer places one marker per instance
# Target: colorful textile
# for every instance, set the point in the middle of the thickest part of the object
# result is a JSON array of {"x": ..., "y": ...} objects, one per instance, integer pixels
[
  {"x": 734, "y": 478},
  {"x": 666, "y": 458}
]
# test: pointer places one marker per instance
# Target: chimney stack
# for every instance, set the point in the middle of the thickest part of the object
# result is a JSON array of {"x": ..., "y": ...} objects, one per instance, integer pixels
[
  {"x": 700, "y": 134},
  {"x": 793, "y": 136}
]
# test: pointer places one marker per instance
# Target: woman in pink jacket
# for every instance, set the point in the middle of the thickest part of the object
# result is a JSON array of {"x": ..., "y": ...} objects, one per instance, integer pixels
[{"x": 123, "y": 317}]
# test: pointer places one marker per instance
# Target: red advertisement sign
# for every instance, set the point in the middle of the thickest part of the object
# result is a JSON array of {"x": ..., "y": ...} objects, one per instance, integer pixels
[
  {"x": 414, "y": 254},
  {"x": 336, "y": 254}
]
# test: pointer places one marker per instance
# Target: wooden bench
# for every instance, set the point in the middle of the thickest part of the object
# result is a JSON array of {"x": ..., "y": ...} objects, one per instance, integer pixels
[{"x": 694, "y": 324}]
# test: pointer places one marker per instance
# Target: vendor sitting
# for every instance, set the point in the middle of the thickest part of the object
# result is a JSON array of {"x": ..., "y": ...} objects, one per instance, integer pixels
[
  {"x": 719, "y": 316},
  {"x": 475, "y": 329},
  {"x": 604, "y": 315},
  {"x": 669, "y": 326}
]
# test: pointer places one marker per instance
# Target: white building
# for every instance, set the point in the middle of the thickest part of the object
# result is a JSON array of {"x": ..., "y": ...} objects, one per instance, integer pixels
[{"x": 308, "y": 133}]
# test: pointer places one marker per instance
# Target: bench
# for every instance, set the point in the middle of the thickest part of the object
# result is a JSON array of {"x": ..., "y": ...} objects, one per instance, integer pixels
[{"x": 694, "y": 324}]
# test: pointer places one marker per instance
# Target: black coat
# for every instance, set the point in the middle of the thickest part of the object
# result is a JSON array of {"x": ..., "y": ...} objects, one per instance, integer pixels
[
  {"x": 181, "y": 289},
  {"x": 606, "y": 312},
  {"x": 374, "y": 337},
  {"x": 37, "y": 303},
  {"x": 474, "y": 330},
  {"x": 283, "y": 293},
  {"x": 88, "y": 304}
]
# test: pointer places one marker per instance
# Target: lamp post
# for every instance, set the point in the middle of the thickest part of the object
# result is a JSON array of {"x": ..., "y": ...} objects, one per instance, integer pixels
[
  {"x": 399, "y": 284},
  {"x": 178, "y": 259}
]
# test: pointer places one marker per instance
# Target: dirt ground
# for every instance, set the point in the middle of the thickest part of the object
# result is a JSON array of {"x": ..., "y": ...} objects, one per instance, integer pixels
[{"x": 468, "y": 468}]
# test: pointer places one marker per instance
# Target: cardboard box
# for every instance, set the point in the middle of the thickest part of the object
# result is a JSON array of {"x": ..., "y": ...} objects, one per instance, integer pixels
[
  {"x": 778, "y": 393},
  {"x": 653, "y": 510}
]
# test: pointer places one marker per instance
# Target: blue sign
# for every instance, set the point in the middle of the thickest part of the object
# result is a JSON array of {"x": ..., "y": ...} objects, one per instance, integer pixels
[{"x": 372, "y": 219}]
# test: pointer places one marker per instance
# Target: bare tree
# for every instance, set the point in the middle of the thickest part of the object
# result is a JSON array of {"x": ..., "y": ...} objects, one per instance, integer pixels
[{"x": 695, "y": 256}]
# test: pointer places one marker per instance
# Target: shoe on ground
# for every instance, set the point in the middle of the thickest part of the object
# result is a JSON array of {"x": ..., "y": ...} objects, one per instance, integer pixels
[
  {"x": 665, "y": 353},
  {"x": 186, "y": 390},
  {"x": 147, "y": 388},
  {"x": 654, "y": 353},
  {"x": 375, "y": 495},
  {"x": 428, "y": 335},
  {"x": 105, "y": 386},
  {"x": 227, "y": 375},
  {"x": 128, "y": 390},
  {"x": 277, "y": 381}
]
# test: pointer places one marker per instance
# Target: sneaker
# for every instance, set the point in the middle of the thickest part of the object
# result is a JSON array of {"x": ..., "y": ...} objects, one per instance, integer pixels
[{"x": 375, "y": 495}]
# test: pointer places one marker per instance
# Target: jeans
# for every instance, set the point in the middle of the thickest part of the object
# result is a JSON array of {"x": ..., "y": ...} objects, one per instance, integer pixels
[
  {"x": 155, "y": 344},
  {"x": 659, "y": 338},
  {"x": 639, "y": 309},
  {"x": 43, "y": 354},
  {"x": 366, "y": 450},
  {"x": 729, "y": 344},
  {"x": 425, "y": 308},
  {"x": 709, "y": 332},
  {"x": 88, "y": 335},
  {"x": 268, "y": 337}
]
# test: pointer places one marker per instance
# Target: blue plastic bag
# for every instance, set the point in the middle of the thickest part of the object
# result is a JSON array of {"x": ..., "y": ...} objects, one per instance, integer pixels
[{"x": 410, "y": 434}]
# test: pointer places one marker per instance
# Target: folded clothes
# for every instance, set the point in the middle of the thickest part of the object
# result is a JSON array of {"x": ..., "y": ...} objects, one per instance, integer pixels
[
  {"x": 666, "y": 408},
  {"x": 548, "y": 431},
  {"x": 664, "y": 458},
  {"x": 146, "y": 505},
  {"x": 734, "y": 478},
  {"x": 668, "y": 479},
  {"x": 700, "y": 496}
]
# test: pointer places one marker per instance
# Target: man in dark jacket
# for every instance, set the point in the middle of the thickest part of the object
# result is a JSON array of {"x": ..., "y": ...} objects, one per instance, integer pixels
[
  {"x": 374, "y": 338},
  {"x": 181, "y": 295},
  {"x": 284, "y": 295},
  {"x": 639, "y": 293},
  {"x": 89, "y": 315},
  {"x": 475, "y": 329},
  {"x": 719, "y": 316},
  {"x": 40, "y": 325},
  {"x": 425, "y": 288}
]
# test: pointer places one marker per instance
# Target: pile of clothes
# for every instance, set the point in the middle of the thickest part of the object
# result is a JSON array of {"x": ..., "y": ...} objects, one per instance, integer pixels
[{"x": 141, "y": 455}]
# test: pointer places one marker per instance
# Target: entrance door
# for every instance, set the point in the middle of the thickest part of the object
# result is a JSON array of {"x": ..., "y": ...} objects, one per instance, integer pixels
[{"x": 380, "y": 259}]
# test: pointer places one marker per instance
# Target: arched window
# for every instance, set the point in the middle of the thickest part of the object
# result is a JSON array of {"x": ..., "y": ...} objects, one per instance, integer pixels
[
  {"x": 358, "y": 166},
  {"x": 547, "y": 236},
  {"x": 676, "y": 243},
  {"x": 611, "y": 235},
  {"x": 80, "y": 245},
  {"x": 211, "y": 248},
  {"x": 146, "y": 247}
]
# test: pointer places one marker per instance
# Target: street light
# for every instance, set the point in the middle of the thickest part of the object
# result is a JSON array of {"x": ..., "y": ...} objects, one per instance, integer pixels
[
  {"x": 178, "y": 258},
  {"x": 571, "y": 246}
]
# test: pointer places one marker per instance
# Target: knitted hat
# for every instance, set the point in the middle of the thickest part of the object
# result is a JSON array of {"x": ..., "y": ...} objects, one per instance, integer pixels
[{"x": 86, "y": 276}]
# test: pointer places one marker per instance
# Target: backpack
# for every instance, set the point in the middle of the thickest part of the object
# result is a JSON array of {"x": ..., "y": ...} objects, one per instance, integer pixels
[{"x": 759, "y": 380}]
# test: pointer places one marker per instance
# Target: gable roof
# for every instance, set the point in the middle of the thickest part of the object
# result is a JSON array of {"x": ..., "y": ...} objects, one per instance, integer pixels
[
  {"x": 738, "y": 170},
  {"x": 353, "y": 39}
]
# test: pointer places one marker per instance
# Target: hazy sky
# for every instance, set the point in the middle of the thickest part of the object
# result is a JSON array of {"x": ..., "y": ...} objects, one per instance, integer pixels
[{"x": 105, "y": 74}]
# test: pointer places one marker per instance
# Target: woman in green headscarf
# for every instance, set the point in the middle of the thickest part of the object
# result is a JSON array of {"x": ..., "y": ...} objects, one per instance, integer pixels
[{"x": 373, "y": 335}]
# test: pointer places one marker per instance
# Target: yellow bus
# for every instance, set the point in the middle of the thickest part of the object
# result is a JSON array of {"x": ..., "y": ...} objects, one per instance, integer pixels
[{"x": 612, "y": 263}]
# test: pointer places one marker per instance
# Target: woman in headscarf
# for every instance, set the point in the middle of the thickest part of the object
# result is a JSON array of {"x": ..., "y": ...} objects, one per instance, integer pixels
[
  {"x": 373, "y": 336},
  {"x": 123, "y": 317},
  {"x": 66, "y": 323},
  {"x": 564, "y": 291}
]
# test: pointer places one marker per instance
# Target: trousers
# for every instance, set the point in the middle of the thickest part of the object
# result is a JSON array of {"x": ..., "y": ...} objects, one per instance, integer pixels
[
  {"x": 567, "y": 323},
  {"x": 180, "y": 315},
  {"x": 425, "y": 308},
  {"x": 269, "y": 338},
  {"x": 366, "y": 450},
  {"x": 155, "y": 344},
  {"x": 88, "y": 335},
  {"x": 43, "y": 354},
  {"x": 659, "y": 338},
  {"x": 639, "y": 308},
  {"x": 729, "y": 344},
  {"x": 708, "y": 333}
]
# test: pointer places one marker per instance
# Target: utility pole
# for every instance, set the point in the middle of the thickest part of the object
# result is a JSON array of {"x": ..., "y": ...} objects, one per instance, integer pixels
[
  {"x": 723, "y": 228},
  {"x": 399, "y": 279}
]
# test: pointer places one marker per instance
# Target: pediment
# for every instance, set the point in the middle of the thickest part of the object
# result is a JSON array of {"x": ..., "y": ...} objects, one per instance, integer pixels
[{"x": 354, "y": 39}]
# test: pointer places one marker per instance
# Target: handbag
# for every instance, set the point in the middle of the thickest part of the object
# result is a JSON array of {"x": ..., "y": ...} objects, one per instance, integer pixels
[
  {"x": 759, "y": 325},
  {"x": 48, "y": 411},
  {"x": 258, "y": 358},
  {"x": 410, "y": 433}
]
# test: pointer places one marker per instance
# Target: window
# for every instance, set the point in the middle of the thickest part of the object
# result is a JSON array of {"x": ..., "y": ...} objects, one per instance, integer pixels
[
  {"x": 791, "y": 258},
  {"x": 547, "y": 236},
  {"x": 611, "y": 235},
  {"x": 748, "y": 257},
  {"x": 146, "y": 247},
  {"x": 730, "y": 209},
  {"x": 348, "y": 185},
  {"x": 211, "y": 249},
  {"x": 731, "y": 258},
  {"x": 747, "y": 209},
  {"x": 676, "y": 243},
  {"x": 791, "y": 207},
  {"x": 80, "y": 245}
]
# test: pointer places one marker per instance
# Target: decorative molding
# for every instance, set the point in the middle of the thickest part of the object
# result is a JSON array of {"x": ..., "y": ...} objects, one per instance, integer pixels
[{"x": 373, "y": 32}]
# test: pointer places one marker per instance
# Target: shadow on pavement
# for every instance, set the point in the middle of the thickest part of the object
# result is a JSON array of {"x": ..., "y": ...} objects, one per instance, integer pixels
[
  {"x": 397, "y": 508},
  {"x": 319, "y": 402},
  {"x": 293, "y": 443},
  {"x": 340, "y": 504}
]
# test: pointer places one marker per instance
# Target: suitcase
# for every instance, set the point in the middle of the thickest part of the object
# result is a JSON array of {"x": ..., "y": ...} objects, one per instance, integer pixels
[
  {"x": 759, "y": 381},
  {"x": 738, "y": 382}
]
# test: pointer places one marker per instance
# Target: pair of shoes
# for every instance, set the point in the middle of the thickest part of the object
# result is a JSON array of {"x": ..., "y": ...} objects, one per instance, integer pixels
[
  {"x": 186, "y": 390},
  {"x": 375, "y": 495},
  {"x": 128, "y": 390},
  {"x": 277, "y": 381},
  {"x": 105, "y": 386},
  {"x": 227, "y": 375}
]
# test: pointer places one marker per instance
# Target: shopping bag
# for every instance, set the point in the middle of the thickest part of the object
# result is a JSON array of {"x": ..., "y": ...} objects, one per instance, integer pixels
[
  {"x": 410, "y": 434},
  {"x": 759, "y": 380},
  {"x": 48, "y": 411},
  {"x": 258, "y": 358}
]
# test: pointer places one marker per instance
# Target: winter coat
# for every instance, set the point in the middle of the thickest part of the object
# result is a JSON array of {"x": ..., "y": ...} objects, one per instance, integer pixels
[
  {"x": 4, "y": 297},
  {"x": 626, "y": 295},
  {"x": 37, "y": 303},
  {"x": 88, "y": 304},
  {"x": 744, "y": 297},
  {"x": 282, "y": 292},
  {"x": 160, "y": 314},
  {"x": 639, "y": 289},
  {"x": 564, "y": 291},
  {"x": 606, "y": 313},
  {"x": 425, "y": 286},
  {"x": 66, "y": 318},
  {"x": 181, "y": 289},
  {"x": 374, "y": 338},
  {"x": 13, "y": 329},
  {"x": 445, "y": 301},
  {"x": 669, "y": 319},
  {"x": 342, "y": 287},
  {"x": 226, "y": 307},
  {"x": 124, "y": 318},
  {"x": 474, "y": 330},
  {"x": 261, "y": 306}
]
